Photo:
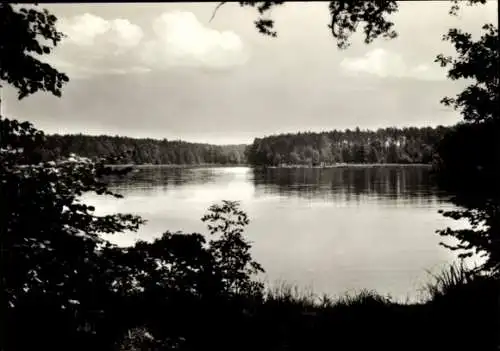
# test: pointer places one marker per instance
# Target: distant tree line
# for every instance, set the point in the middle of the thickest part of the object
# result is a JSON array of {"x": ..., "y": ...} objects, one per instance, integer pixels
[
  {"x": 141, "y": 151},
  {"x": 64, "y": 285},
  {"x": 388, "y": 145}
]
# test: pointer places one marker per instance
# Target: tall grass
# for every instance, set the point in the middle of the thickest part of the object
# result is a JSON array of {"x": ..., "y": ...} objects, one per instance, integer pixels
[
  {"x": 454, "y": 278},
  {"x": 291, "y": 294},
  {"x": 458, "y": 313}
]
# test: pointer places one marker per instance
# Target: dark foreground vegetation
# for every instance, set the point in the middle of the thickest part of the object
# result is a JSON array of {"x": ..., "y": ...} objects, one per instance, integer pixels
[
  {"x": 284, "y": 318},
  {"x": 64, "y": 286},
  {"x": 69, "y": 288}
]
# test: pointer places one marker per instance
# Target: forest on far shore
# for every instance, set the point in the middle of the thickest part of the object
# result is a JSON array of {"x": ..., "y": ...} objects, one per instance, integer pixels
[
  {"x": 388, "y": 145},
  {"x": 142, "y": 151}
]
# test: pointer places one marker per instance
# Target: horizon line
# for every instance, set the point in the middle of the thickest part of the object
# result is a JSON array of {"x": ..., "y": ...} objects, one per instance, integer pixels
[{"x": 191, "y": 141}]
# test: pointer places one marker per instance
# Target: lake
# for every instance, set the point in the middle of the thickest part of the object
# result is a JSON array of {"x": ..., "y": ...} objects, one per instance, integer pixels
[{"x": 327, "y": 230}]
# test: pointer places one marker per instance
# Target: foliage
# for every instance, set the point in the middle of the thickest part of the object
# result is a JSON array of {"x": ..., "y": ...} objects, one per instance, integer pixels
[
  {"x": 56, "y": 277},
  {"x": 454, "y": 278},
  {"x": 230, "y": 250},
  {"x": 346, "y": 16},
  {"x": 51, "y": 240},
  {"x": 136, "y": 339},
  {"x": 389, "y": 145},
  {"x": 479, "y": 62},
  {"x": 457, "y": 294},
  {"x": 467, "y": 167},
  {"x": 190, "y": 262},
  {"x": 455, "y": 7},
  {"x": 287, "y": 318},
  {"x": 473, "y": 180},
  {"x": 176, "y": 283},
  {"x": 469, "y": 155},
  {"x": 141, "y": 151},
  {"x": 64, "y": 286},
  {"x": 263, "y": 25},
  {"x": 31, "y": 34},
  {"x": 63, "y": 267}
]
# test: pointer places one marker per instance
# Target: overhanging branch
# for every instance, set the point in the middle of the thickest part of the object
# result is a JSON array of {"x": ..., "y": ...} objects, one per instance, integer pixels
[{"x": 216, "y": 9}]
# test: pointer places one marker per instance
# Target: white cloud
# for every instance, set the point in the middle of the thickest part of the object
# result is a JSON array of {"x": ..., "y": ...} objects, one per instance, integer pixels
[
  {"x": 384, "y": 64},
  {"x": 181, "y": 40},
  {"x": 90, "y": 30},
  {"x": 95, "y": 45}
]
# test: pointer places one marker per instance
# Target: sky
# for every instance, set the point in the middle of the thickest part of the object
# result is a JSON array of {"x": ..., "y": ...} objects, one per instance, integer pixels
[{"x": 166, "y": 71}]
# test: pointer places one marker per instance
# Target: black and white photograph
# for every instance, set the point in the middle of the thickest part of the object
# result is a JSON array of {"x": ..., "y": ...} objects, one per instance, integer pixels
[{"x": 270, "y": 175}]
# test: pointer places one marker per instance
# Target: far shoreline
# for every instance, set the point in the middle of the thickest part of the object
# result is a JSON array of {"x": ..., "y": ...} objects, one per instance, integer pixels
[
  {"x": 353, "y": 165},
  {"x": 214, "y": 165}
]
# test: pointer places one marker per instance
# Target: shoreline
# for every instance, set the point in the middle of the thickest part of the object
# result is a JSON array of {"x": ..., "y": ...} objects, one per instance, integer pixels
[
  {"x": 169, "y": 165},
  {"x": 213, "y": 165},
  {"x": 353, "y": 165}
]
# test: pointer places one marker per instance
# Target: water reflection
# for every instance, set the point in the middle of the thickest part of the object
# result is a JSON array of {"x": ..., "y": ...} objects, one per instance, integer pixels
[
  {"x": 334, "y": 229},
  {"x": 162, "y": 177},
  {"x": 412, "y": 185}
]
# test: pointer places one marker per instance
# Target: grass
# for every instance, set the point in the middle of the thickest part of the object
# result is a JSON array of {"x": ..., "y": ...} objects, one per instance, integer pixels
[
  {"x": 460, "y": 312},
  {"x": 455, "y": 277}
]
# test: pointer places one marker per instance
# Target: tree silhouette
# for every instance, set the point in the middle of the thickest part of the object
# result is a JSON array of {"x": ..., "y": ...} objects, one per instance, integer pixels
[
  {"x": 52, "y": 263},
  {"x": 65, "y": 286},
  {"x": 469, "y": 157},
  {"x": 53, "y": 278},
  {"x": 31, "y": 34},
  {"x": 473, "y": 180},
  {"x": 346, "y": 17}
]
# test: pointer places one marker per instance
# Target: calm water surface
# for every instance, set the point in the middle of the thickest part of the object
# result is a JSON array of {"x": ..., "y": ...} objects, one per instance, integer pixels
[{"x": 329, "y": 230}]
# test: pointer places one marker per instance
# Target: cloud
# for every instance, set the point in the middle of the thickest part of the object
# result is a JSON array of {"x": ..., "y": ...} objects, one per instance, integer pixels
[
  {"x": 95, "y": 45},
  {"x": 181, "y": 40},
  {"x": 92, "y": 31},
  {"x": 383, "y": 63}
]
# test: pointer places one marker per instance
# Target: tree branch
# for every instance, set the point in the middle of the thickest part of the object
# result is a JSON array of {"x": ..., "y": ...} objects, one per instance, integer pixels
[{"x": 216, "y": 9}]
